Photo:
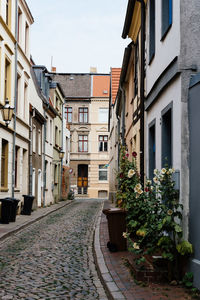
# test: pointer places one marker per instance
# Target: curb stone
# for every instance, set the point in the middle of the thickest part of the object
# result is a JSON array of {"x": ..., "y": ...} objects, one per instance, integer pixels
[{"x": 109, "y": 284}]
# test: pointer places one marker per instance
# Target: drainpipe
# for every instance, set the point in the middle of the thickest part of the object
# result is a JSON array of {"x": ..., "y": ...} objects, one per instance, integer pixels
[
  {"x": 142, "y": 75},
  {"x": 15, "y": 99}
]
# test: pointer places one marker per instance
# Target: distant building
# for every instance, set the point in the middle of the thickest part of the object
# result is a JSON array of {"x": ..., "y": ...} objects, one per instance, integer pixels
[
  {"x": 114, "y": 137},
  {"x": 86, "y": 111}
]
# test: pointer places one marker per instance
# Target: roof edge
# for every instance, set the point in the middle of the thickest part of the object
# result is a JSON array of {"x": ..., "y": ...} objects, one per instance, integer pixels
[{"x": 128, "y": 18}]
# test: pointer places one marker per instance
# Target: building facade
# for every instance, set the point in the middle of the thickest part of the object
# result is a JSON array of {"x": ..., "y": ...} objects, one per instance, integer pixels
[
  {"x": 86, "y": 112},
  {"x": 15, "y": 71}
]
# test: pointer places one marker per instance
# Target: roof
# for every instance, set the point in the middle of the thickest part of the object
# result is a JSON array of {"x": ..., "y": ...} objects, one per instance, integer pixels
[
  {"x": 74, "y": 85},
  {"x": 128, "y": 18},
  {"x": 100, "y": 85},
  {"x": 115, "y": 76}
]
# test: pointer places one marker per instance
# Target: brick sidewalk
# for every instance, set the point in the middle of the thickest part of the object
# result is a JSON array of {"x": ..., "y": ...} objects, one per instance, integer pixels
[{"x": 121, "y": 275}]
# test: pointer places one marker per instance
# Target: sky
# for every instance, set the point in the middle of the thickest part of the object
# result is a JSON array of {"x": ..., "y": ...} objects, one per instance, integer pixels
[{"x": 79, "y": 34}]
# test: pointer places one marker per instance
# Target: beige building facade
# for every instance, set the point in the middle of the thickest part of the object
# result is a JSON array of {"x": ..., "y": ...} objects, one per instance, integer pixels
[
  {"x": 15, "y": 67},
  {"x": 86, "y": 112}
]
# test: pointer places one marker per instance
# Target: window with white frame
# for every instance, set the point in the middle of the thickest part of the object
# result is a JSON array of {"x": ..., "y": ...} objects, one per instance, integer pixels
[
  {"x": 68, "y": 114},
  {"x": 39, "y": 142},
  {"x": 166, "y": 16},
  {"x": 34, "y": 139},
  {"x": 103, "y": 115},
  {"x": 83, "y": 114},
  {"x": 103, "y": 172},
  {"x": 103, "y": 143},
  {"x": 83, "y": 143}
]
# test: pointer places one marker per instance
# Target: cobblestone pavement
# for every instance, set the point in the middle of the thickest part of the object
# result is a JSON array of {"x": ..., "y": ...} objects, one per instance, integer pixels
[{"x": 53, "y": 259}]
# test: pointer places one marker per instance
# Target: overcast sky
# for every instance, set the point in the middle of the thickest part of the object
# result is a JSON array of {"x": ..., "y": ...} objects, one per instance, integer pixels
[{"x": 78, "y": 34}]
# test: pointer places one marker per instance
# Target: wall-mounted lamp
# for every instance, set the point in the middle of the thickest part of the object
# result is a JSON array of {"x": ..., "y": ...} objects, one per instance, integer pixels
[
  {"x": 61, "y": 154},
  {"x": 7, "y": 112}
]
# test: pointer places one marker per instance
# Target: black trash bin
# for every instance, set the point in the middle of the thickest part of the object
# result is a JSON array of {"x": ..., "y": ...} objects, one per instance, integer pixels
[
  {"x": 28, "y": 202},
  {"x": 6, "y": 206},
  {"x": 116, "y": 226},
  {"x": 14, "y": 207}
]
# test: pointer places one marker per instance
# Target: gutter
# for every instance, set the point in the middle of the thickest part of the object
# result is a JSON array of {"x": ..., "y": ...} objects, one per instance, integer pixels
[
  {"x": 15, "y": 100},
  {"x": 142, "y": 97}
]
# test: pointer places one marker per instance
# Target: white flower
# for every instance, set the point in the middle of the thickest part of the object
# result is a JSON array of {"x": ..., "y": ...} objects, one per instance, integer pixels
[
  {"x": 125, "y": 235},
  {"x": 136, "y": 246},
  {"x": 138, "y": 186},
  {"x": 156, "y": 172},
  {"x": 155, "y": 179},
  {"x": 131, "y": 172},
  {"x": 171, "y": 170},
  {"x": 163, "y": 171},
  {"x": 151, "y": 187},
  {"x": 149, "y": 182},
  {"x": 140, "y": 191}
]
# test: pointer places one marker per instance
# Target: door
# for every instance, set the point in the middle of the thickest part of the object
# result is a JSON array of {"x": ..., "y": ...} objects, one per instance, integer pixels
[
  {"x": 82, "y": 182},
  {"x": 39, "y": 198}
]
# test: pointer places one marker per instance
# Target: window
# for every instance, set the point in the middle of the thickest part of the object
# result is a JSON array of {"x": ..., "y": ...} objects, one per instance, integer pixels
[
  {"x": 166, "y": 16},
  {"x": 167, "y": 137},
  {"x": 68, "y": 114},
  {"x": 25, "y": 99},
  {"x": 152, "y": 29},
  {"x": 18, "y": 93},
  {"x": 34, "y": 139},
  {"x": 103, "y": 143},
  {"x": 7, "y": 82},
  {"x": 55, "y": 174},
  {"x": 4, "y": 164},
  {"x": 103, "y": 172},
  {"x": 136, "y": 68},
  {"x": 83, "y": 115},
  {"x": 8, "y": 12},
  {"x": 26, "y": 38},
  {"x": 39, "y": 142},
  {"x": 50, "y": 131},
  {"x": 103, "y": 115},
  {"x": 16, "y": 165},
  {"x": 56, "y": 136},
  {"x": 152, "y": 149},
  {"x": 83, "y": 143},
  {"x": 19, "y": 24}
]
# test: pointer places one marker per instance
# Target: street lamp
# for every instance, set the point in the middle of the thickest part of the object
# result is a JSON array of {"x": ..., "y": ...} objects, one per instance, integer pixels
[
  {"x": 7, "y": 112},
  {"x": 61, "y": 154}
]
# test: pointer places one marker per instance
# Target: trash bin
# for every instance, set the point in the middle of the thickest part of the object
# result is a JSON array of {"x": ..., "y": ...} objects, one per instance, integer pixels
[
  {"x": 28, "y": 202},
  {"x": 116, "y": 226},
  {"x": 6, "y": 206},
  {"x": 14, "y": 207}
]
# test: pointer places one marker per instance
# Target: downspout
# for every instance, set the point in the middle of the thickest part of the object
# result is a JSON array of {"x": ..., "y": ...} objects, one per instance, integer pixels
[
  {"x": 15, "y": 99},
  {"x": 142, "y": 98}
]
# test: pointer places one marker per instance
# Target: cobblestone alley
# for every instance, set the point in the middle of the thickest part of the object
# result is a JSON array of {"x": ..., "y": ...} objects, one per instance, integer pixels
[{"x": 52, "y": 259}]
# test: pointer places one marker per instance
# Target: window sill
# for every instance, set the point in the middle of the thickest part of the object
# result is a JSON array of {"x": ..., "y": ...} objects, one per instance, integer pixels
[
  {"x": 165, "y": 33},
  {"x": 4, "y": 189},
  {"x": 17, "y": 190}
]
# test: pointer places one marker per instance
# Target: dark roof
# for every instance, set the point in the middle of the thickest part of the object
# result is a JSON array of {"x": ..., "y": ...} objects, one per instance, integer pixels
[
  {"x": 74, "y": 85},
  {"x": 128, "y": 18}
]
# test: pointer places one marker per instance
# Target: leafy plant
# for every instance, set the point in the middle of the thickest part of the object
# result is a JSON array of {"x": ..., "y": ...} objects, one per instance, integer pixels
[{"x": 188, "y": 279}]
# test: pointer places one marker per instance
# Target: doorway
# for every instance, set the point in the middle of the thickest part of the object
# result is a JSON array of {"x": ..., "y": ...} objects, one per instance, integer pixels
[{"x": 82, "y": 179}]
